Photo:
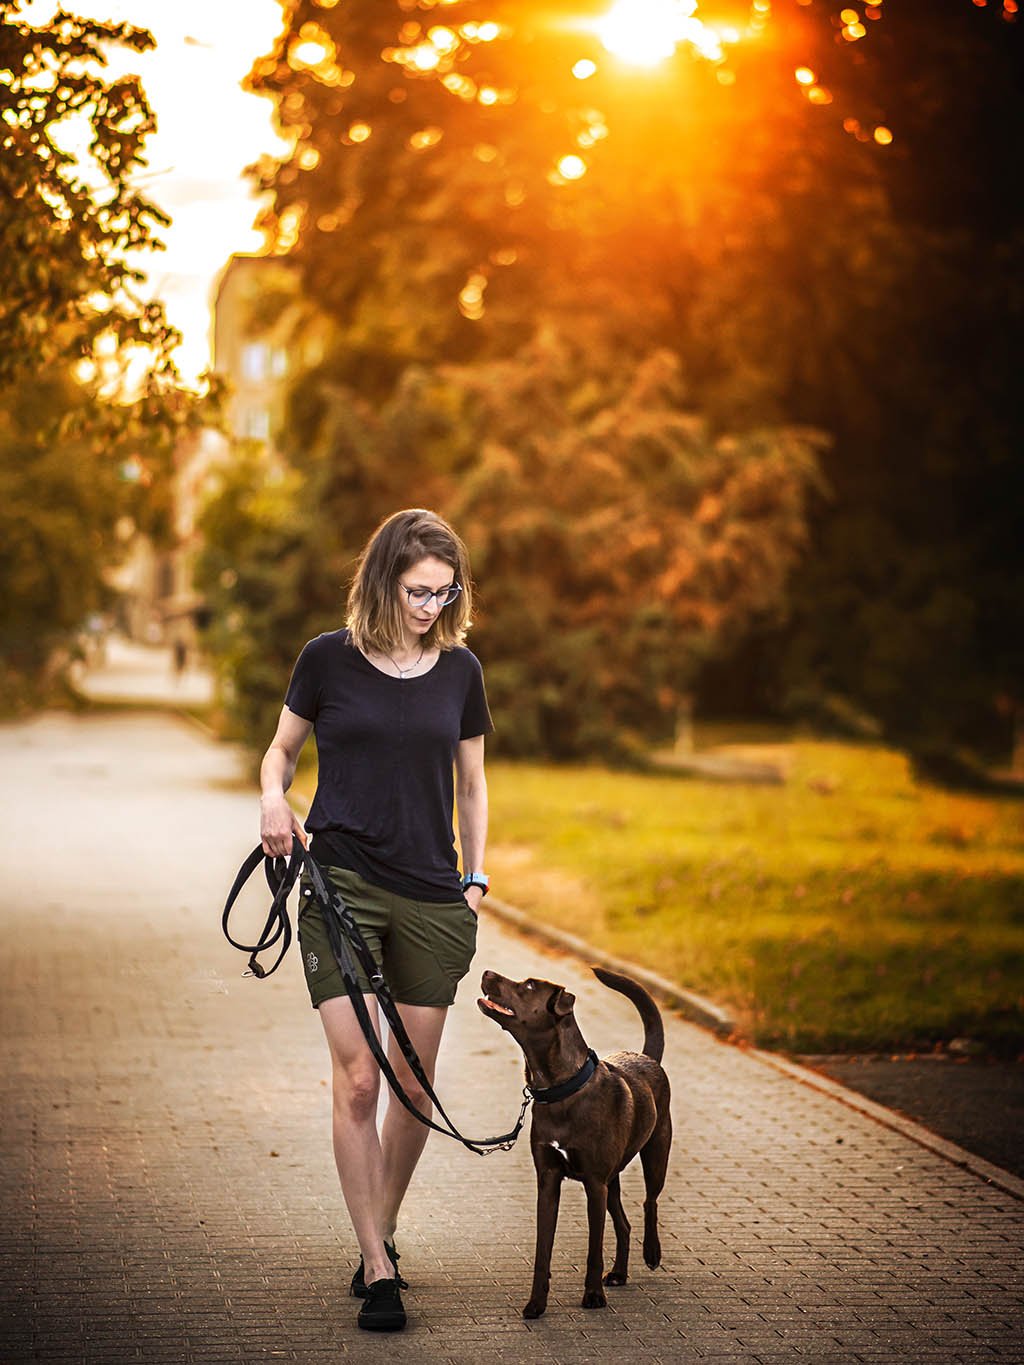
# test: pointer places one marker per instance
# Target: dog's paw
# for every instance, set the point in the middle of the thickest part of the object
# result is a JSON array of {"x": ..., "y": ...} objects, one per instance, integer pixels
[
  {"x": 594, "y": 1298},
  {"x": 615, "y": 1277},
  {"x": 534, "y": 1309}
]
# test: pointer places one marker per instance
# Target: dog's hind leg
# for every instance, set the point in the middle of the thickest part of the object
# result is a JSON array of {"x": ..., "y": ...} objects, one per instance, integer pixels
[
  {"x": 654, "y": 1159},
  {"x": 618, "y": 1272},
  {"x": 597, "y": 1208},
  {"x": 549, "y": 1190}
]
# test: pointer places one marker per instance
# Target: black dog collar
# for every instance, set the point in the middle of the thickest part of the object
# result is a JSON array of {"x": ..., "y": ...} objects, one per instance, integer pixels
[{"x": 566, "y": 1088}]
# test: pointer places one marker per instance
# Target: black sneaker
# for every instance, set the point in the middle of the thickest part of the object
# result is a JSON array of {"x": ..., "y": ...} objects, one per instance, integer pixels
[
  {"x": 382, "y": 1310},
  {"x": 358, "y": 1287}
]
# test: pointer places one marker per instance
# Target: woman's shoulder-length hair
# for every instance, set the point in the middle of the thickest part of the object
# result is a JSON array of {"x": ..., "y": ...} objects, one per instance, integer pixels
[{"x": 374, "y": 614}]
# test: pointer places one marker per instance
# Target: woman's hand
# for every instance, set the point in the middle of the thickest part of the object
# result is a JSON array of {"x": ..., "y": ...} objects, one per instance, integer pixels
[
  {"x": 474, "y": 895},
  {"x": 279, "y": 825}
]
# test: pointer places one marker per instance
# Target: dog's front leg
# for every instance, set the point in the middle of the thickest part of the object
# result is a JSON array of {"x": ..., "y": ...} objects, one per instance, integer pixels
[
  {"x": 549, "y": 1191},
  {"x": 597, "y": 1207}
]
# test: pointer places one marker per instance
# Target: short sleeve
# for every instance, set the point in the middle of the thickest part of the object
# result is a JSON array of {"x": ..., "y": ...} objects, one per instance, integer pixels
[
  {"x": 476, "y": 716},
  {"x": 303, "y": 693}
]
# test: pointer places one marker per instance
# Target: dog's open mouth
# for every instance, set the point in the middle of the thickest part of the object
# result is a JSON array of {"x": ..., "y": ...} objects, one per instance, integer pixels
[{"x": 486, "y": 1003}]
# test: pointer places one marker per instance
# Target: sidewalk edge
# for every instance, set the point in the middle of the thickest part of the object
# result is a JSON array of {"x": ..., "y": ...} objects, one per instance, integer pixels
[
  {"x": 890, "y": 1118},
  {"x": 711, "y": 1016}
]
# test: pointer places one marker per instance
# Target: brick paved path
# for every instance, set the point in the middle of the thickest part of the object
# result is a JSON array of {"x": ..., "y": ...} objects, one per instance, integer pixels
[{"x": 168, "y": 1187}]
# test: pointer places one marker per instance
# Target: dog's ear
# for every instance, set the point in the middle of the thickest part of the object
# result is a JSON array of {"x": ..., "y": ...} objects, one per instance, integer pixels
[{"x": 562, "y": 1002}]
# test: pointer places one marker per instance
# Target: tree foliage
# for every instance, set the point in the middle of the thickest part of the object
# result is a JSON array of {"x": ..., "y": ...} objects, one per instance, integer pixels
[
  {"x": 78, "y": 450},
  {"x": 800, "y": 274},
  {"x": 67, "y": 221},
  {"x": 620, "y": 539}
]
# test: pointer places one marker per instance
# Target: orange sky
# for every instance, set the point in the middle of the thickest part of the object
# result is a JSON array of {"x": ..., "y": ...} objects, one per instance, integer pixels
[{"x": 208, "y": 130}]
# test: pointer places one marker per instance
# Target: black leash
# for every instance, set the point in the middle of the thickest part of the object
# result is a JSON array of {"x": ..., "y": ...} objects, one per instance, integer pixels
[{"x": 347, "y": 945}]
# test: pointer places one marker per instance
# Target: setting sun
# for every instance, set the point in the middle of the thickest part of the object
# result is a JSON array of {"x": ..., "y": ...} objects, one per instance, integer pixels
[{"x": 646, "y": 32}]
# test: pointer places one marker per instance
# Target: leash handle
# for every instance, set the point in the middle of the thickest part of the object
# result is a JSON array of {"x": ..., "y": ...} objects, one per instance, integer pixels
[
  {"x": 346, "y": 939},
  {"x": 281, "y": 874}
]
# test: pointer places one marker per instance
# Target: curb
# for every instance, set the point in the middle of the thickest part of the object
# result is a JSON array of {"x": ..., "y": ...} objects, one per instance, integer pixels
[
  {"x": 180, "y": 713},
  {"x": 711, "y": 1016},
  {"x": 890, "y": 1118},
  {"x": 695, "y": 1007}
]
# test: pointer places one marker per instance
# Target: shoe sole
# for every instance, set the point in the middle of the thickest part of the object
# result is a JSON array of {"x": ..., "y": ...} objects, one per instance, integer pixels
[{"x": 392, "y": 1323}]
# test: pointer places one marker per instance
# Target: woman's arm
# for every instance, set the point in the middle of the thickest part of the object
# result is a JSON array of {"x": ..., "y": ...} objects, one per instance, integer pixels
[
  {"x": 278, "y": 822},
  {"x": 471, "y": 800}
]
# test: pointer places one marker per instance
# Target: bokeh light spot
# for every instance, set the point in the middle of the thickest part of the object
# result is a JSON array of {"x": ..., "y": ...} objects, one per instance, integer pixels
[{"x": 572, "y": 167}]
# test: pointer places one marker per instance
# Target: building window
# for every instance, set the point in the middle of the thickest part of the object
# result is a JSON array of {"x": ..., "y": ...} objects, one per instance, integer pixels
[
  {"x": 255, "y": 356},
  {"x": 278, "y": 362},
  {"x": 256, "y": 424}
]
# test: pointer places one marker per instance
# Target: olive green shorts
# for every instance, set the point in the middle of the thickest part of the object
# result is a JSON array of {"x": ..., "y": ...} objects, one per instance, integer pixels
[{"x": 423, "y": 948}]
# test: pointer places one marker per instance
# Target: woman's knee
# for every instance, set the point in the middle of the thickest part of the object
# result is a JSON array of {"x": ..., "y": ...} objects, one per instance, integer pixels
[{"x": 356, "y": 1090}]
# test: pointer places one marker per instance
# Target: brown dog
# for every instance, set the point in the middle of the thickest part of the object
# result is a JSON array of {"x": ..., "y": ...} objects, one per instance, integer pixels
[{"x": 590, "y": 1119}]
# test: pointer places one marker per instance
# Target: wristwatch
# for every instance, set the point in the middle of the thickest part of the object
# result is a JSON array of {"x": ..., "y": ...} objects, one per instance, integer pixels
[{"x": 480, "y": 879}]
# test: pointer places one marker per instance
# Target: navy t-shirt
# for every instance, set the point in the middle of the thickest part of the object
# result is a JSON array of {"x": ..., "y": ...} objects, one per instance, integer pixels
[{"x": 386, "y": 747}]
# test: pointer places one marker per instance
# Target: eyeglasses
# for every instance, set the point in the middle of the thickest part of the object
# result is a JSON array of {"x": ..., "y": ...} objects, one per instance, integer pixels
[{"x": 419, "y": 597}]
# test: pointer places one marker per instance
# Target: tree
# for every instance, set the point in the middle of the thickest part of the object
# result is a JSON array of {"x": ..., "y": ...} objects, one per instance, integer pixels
[
  {"x": 77, "y": 451},
  {"x": 621, "y": 540},
  {"x": 65, "y": 227}
]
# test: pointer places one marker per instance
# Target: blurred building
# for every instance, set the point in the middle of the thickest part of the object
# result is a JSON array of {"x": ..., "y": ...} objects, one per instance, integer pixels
[
  {"x": 262, "y": 335},
  {"x": 255, "y": 351},
  {"x": 180, "y": 606}
]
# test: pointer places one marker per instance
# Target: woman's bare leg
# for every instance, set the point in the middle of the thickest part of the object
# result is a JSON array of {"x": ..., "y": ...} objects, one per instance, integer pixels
[
  {"x": 402, "y": 1135},
  {"x": 357, "y": 1147}
]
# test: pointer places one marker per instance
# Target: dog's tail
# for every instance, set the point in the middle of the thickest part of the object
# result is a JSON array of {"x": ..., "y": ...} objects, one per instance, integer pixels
[{"x": 654, "y": 1029}]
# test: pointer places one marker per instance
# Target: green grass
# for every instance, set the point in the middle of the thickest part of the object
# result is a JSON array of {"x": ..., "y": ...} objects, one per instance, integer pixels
[{"x": 851, "y": 908}]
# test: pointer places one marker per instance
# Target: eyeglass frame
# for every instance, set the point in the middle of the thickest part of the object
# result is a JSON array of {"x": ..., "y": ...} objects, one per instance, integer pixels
[{"x": 453, "y": 588}]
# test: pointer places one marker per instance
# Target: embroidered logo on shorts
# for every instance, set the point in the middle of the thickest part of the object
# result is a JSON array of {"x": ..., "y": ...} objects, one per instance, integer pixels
[{"x": 313, "y": 961}]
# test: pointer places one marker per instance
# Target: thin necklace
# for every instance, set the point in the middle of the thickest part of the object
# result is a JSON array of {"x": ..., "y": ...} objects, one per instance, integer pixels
[{"x": 403, "y": 671}]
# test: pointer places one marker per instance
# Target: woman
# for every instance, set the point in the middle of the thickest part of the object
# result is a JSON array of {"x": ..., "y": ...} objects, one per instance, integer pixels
[{"x": 396, "y": 701}]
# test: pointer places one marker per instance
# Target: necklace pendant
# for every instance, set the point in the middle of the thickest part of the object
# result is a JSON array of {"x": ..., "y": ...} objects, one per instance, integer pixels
[{"x": 410, "y": 668}]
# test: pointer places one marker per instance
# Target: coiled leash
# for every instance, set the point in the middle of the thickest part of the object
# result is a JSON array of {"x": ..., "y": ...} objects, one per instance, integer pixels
[{"x": 347, "y": 945}]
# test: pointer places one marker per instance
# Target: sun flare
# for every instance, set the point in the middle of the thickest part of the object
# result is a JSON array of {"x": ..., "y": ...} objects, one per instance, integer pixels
[{"x": 646, "y": 32}]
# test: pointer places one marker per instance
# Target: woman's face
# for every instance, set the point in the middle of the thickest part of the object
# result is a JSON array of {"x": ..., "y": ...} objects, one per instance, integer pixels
[{"x": 430, "y": 575}]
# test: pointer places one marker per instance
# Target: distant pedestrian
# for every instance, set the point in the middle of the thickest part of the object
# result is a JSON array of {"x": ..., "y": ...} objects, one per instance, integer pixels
[
  {"x": 396, "y": 701},
  {"x": 179, "y": 656}
]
